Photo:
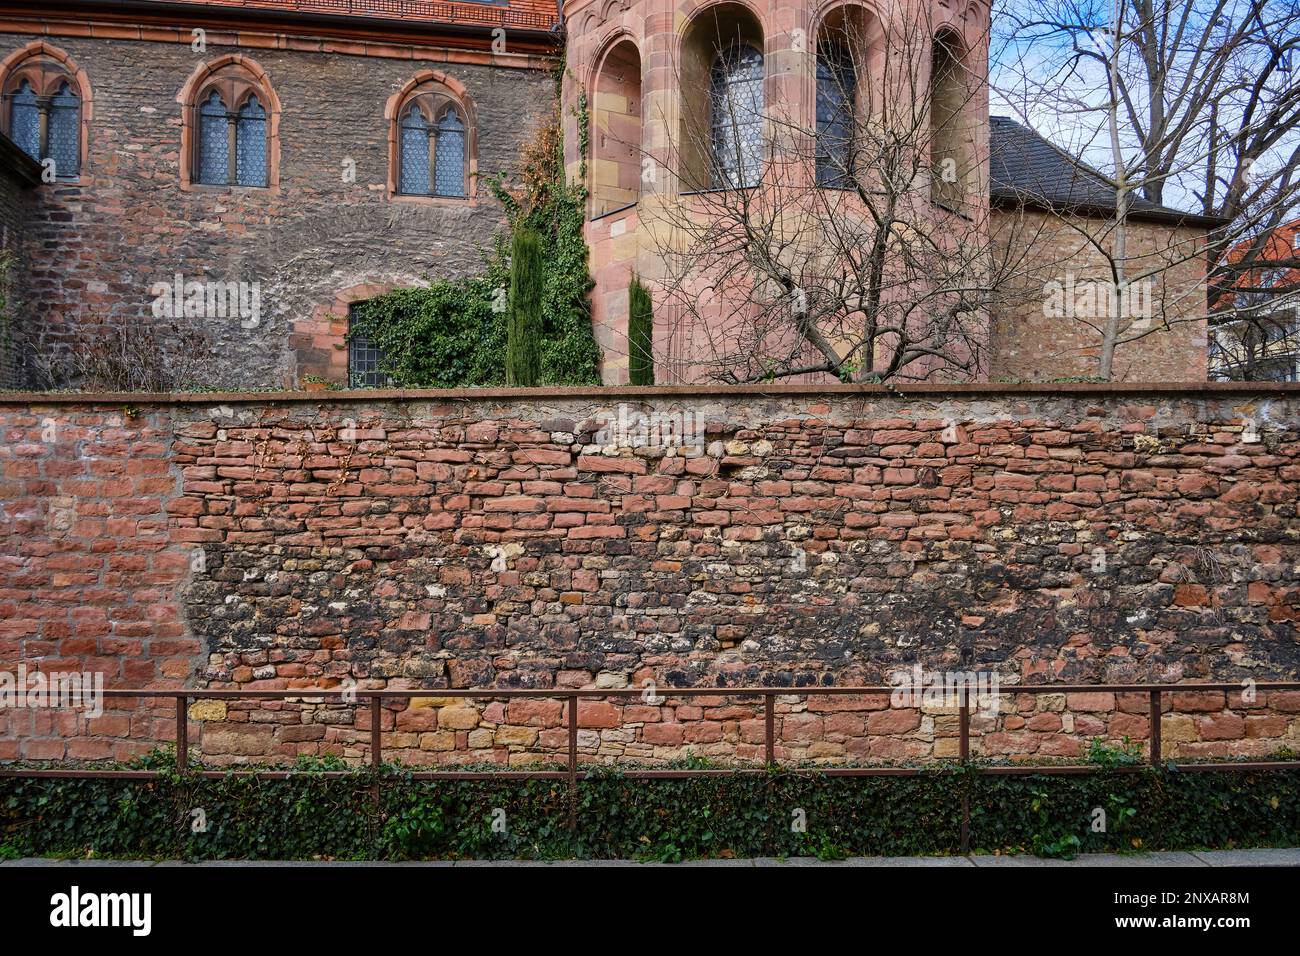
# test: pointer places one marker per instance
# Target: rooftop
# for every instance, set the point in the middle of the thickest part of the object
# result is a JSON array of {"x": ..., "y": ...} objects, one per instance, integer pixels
[{"x": 1026, "y": 167}]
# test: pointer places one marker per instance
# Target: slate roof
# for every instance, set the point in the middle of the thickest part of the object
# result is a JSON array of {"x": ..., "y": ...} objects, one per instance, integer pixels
[{"x": 1025, "y": 167}]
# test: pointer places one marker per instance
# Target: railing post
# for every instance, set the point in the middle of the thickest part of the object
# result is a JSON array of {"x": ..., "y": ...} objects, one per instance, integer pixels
[
  {"x": 573, "y": 762},
  {"x": 769, "y": 728},
  {"x": 182, "y": 733},
  {"x": 963, "y": 750},
  {"x": 1154, "y": 736},
  {"x": 376, "y": 755},
  {"x": 963, "y": 730}
]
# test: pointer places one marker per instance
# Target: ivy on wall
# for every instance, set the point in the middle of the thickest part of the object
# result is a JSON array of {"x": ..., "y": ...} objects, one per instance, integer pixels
[
  {"x": 338, "y": 817},
  {"x": 452, "y": 333}
]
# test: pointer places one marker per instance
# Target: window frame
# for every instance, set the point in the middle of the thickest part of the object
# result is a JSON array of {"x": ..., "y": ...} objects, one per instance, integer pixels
[
  {"x": 46, "y": 70},
  {"x": 236, "y": 79},
  {"x": 434, "y": 95},
  {"x": 235, "y": 93}
]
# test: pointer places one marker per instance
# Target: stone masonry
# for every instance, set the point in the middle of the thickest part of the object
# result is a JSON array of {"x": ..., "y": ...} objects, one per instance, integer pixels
[{"x": 1067, "y": 534}]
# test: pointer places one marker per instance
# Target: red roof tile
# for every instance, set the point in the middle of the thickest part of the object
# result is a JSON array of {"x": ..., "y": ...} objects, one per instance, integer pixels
[{"x": 521, "y": 14}]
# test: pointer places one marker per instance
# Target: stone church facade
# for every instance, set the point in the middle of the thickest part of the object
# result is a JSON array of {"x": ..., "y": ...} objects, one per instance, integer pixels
[{"x": 320, "y": 154}]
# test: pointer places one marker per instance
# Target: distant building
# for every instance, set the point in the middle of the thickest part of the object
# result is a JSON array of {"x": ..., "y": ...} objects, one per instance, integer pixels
[{"x": 1257, "y": 337}]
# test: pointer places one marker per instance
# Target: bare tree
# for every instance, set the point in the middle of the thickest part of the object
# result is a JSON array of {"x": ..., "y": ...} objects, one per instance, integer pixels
[
  {"x": 1192, "y": 103},
  {"x": 854, "y": 244}
]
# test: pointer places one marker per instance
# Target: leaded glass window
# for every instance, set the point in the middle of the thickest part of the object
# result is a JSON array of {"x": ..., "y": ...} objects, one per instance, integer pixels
[
  {"x": 449, "y": 162},
  {"x": 836, "y": 98},
  {"x": 214, "y": 141},
  {"x": 65, "y": 131},
  {"x": 250, "y": 145},
  {"x": 736, "y": 116},
  {"x": 415, "y": 153},
  {"x": 25, "y": 121}
]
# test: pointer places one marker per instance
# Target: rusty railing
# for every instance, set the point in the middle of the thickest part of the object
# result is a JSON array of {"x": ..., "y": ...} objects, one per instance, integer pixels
[{"x": 573, "y": 770}]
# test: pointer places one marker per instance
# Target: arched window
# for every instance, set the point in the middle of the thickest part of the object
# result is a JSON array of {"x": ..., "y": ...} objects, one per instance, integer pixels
[
  {"x": 836, "y": 107},
  {"x": 949, "y": 137},
  {"x": 433, "y": 146},
  {"x": 415, "y": 153},
  {"x": 214, "y": 140},
  {"x": 230, "y": 127},
  {"x": 736, "y": 116},
  {"x": 44, "y": 108},
  {"x": 232, "y": 143}
]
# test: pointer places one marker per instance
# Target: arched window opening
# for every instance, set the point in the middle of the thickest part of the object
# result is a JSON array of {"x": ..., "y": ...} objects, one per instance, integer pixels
[
  {"x": 949, "y": 93},
  {"x": 720, "y": 142},
  {"x": 616, "y": 152},
  {"x": 44, "y": 110},
  {"x": 433, "y": 144},
  {"x": 230, "y": 127}
]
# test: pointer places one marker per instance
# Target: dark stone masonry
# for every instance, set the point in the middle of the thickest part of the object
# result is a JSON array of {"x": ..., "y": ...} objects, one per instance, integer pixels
[
  {"x": 96, "y": 247},
  {"x": 499, "y": 539}
]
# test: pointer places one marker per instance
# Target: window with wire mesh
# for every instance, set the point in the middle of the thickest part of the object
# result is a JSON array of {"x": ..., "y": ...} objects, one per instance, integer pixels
[
  {"x": 364, "y": 359},
  {"x": 232, "y": 147},
  {"x": 836, "y": 100},
  {"x": 25, "y": 120},
  {"x": 449, "y": 158},
  {"x": 45, "y": 120},
  {"x": 250, "y": 144},
  {"x": 736, "y": 116},
  {"x": 415, "y": 153},
  {"x": 431, "y": 149},
  {"x": 214, "y": 141}
]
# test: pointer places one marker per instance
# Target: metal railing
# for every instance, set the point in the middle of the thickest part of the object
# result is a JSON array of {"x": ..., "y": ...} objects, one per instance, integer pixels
[{"x": 573, "y": 771}]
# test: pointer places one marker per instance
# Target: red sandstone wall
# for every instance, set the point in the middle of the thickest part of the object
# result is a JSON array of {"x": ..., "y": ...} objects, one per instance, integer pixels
[{"x": 493, "y": 540}]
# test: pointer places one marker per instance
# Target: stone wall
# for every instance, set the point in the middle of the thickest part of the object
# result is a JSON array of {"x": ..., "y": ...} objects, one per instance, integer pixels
[
  {"x": 97, "y": 246},
  {"x": 1162, "y": 338},
  {"x": 1069, "y": 534}
]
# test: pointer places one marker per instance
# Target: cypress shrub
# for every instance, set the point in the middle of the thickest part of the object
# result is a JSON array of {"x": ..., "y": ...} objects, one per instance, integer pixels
[
  {"x": 524, "y": 328},
  {"x": 640, "y": 335}
]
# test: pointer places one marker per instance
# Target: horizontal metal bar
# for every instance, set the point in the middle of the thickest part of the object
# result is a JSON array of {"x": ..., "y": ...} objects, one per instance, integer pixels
[
  {"x": 670, "y": 692},
  {"x": 938, "y": 769}
]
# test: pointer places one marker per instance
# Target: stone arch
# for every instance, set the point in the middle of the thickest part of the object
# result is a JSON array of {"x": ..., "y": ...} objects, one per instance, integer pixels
[
  {"x": 242, "y": 75},
  {"x": 616, "y": 126},
  {"x": 47, "y": 64}
]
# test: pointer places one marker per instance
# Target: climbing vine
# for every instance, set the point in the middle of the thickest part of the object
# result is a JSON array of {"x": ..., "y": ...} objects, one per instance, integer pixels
[{"x": 392, "y": 815}]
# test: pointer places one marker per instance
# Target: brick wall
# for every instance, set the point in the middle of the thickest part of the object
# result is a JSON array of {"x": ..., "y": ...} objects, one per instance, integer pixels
[
  {"x": 97, "y": 247},
  {"x": 495, "y": 539},
  {"x": 1029, "y": 344},
  {"x": 18, "y": 177}
]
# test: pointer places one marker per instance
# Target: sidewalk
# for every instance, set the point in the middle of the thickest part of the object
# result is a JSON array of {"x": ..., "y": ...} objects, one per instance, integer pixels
[{"x": 1210, "y": 858}]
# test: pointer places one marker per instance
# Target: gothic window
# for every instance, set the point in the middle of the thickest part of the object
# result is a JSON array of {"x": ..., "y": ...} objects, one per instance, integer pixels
[
  {"x": 433, "y": 143},
  {"x": 231, "y": 129},
  {"x": 44, "y": 110}
]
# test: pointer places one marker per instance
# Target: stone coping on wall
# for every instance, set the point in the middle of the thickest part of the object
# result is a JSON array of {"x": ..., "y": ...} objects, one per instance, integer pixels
[{"x": 652, "y": 392}]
